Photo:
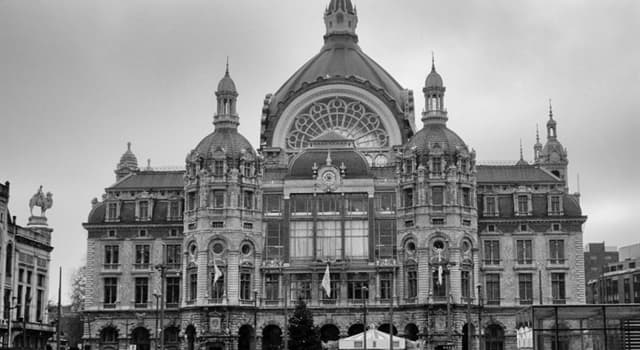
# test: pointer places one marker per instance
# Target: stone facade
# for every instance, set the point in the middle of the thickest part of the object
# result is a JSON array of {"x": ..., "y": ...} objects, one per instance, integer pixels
[{"x": 343, "y": 179}]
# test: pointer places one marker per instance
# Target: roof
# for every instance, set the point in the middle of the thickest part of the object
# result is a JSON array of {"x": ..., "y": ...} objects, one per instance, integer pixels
[
  {"x": 225, "y": 140},
  {"x": 435, "y": 133},
  {"x": 150, "y": 179},
  {"x": 226, "y": 84},
  {"x": 513, "y": 174}
]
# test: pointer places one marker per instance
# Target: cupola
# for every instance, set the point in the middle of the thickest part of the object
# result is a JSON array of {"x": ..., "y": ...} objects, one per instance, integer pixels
[
  {"x": 341, "y": 18},
  {"x": 128, "y": 163}
]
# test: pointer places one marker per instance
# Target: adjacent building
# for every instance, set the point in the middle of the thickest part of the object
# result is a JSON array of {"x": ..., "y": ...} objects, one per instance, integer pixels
[
  {"x": 24, "y": 276},
  {"x": 618, "y": 284},
  {"x": 343, "y": 180},
  {"x": 596, "y": 257}
]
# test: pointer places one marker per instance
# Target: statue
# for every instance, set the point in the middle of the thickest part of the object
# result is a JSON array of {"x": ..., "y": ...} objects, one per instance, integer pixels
[{"x": 41, "y": 200}]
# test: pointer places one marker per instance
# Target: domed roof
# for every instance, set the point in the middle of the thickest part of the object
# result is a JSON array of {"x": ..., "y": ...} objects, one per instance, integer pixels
[
  {"x": 226, "y": 141},
  {"x": 432, "y": 134},
  {"x": 340, "y": 57},
  {"x": 226, "y": 84},
  {"x": 344, "y": 5},
  {"x": 433, "y": 79},
  {"x": 553, "y": 148},
  {"x": 128, "y": 159}
]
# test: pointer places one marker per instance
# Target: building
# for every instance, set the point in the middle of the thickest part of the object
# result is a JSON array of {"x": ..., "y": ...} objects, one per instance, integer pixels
[
  {"x": 596, "y": 257},
  {"x": 24, "y": 275},
  {"x": 619, "y": 284},
  {"x": 342, "y": 178},
  {"x": 631, "y": 251}
]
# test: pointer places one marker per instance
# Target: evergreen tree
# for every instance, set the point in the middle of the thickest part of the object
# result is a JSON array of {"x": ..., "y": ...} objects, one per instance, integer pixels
[{"x": 303, "y": 335}]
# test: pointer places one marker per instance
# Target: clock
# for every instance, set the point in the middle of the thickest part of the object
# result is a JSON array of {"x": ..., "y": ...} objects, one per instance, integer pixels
[{"x": 329, "y": 177}]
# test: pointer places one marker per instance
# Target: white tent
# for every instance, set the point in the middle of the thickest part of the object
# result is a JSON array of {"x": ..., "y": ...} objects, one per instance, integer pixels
[{"x": 376, "y": 340}]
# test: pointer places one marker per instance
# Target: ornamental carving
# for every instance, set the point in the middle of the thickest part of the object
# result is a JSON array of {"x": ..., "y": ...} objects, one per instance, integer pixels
[{"x": 347, "y": 117}]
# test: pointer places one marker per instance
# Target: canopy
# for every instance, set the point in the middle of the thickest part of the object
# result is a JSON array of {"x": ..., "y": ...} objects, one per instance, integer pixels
[{"x": 375, "y": 340}]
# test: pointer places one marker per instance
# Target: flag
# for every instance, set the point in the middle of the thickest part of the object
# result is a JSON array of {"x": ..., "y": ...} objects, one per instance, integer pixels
[
  {"x": 216, "y": 272},
  {"x": 326, "y": 282}
]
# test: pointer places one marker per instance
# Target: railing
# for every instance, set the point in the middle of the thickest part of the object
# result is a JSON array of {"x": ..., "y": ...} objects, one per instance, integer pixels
[
  {"x": 111, "y": 266},
  {"x": 141, "y": 266}
]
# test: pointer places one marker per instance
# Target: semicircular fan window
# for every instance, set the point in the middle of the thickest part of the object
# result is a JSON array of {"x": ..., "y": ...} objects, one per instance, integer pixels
[{"x": 347, "y": 117}]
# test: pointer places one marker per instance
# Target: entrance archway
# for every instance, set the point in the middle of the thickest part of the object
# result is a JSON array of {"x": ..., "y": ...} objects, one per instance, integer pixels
[
  {"x": 140, "y": 338},
  {"x": 246, "y": 338},
  {"x": 329, "y": 332},
  {"x": 355, "y": 329},
  {"x": 411, "y": 331},
  {"x": 385, "y": 328},
  {"x": 465, "y": 337},
  {"x": 271, "y": 337}
]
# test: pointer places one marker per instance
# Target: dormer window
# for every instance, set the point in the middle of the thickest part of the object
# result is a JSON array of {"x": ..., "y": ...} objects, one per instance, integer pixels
[
  {"x": 522, "y": 203},
  {"x": 218, "y": 168},
  {"x": 113, "y": 211},
  {"x": 144, "y": 210},
  {"x": 174, "y": 212},
  {"x": 490, "y": 206},
  {"x": 555, "y": 205}
]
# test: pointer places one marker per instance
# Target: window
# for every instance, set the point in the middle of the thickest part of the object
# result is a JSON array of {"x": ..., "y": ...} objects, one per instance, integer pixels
[
  {"x": 301, "y": 287},
  {"x": 439, "y": 284},
  {"x": 524, "y": 251},
  {"x": 328, "y": 204},
  {"x": 490, "y": 208},
  {"x": 109, "y": 335},
  {"x": 173, "y": 232},
  {"x": 437, "y": 196},
  {"x": 301, "y": 205},
  {"x": 615, "y": 297},
  {"x": 272, "y": 286},
  {"x": 274, "y": 249},
  {"x": 217, "y": 287},
  {"x": 357, "y": 286},
  {"x": 217, "y": 224},
  {"x": 218, "y": 168},
  {"x": 491, "y": 228},
  {"x": 111, "y": 233},
  {"x": 356, "y": 238},
  {"x": 626, "y": 285},
  {"x": 173, "y": 291},
  {"x": 142, "y": 256},
  {"x": 558, "y": 288},
  {"x": 328, "y": 240},
  {"x": 465, "y": 284},
  {"x": 142, "y": 291},
  {"x": 636, "y": 288},
  {"x": 525, "y": 287},
  {"x": 172, "y": 256},
  {"x": 191, "y": 200},
  {"x": 385, "y": 239},
  {"x": 556, "y": 251},
  {"x": 247, "y": 226},
  {"x": 466, "y": 196},
  {"x": 335, "y": 288},
  {"x": 193, "y": 286},
  {"x": 111, "y": 257},
  {"x": 357, "y": 204},
  {"x": 301, "y": 239},
  {"x": 272, "y": 204},
  {"x": 412, "y": 281},
  {"x": 492, "y": 252},
  {"x": 523, "y": 205},
  {"x": 142, "y": 233},
  {"x": 437, "y": 221},
  {"x": 407, "y": 197},
  {"x": 555, "y": 227},
  {"x": 41, "y": 279},
  {"x": 245, "y": 284},
  {"x": 247, "y": 170},
  {"x": 174, "y": 210},
  {"x": 248, "y": 200},
  {"x": 39, "y": 301},
  {"x": 493, "y": 289},
  {"x": 524, "y": 228},
  {"x": 110, "y": 290},
  {"x": 555, "y": 205},
  {"x": 385, "y": 202},
  {"x": 112, "y": 211},
  {"x": 216, "y": 199},
  {"x": 494, "y": 338},
  {"x": 386, "y": 283},
  {"x": 436, "y": 165},
  {"x": 143, "y": 210}
]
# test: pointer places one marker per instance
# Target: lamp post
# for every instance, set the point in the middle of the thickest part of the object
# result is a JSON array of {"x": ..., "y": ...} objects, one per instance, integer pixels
[
  {"x": 480, "y": 331},
  {"x": 163, "y": 269},
  {"x": 255, "y": 319},
  {"x": 365, "y": 294},
  {"x": 157, "y": 296}
]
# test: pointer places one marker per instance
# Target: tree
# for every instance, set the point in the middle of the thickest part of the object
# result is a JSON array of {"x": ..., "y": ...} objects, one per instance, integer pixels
[
  {"x": 78, "y": 288},
  {"x": 303, "y": 335}
]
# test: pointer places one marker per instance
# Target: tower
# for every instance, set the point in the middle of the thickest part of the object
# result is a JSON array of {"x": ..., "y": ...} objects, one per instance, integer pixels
[
  {"x": 553, "y": 156},
  {"x": 127, "y": 165}
]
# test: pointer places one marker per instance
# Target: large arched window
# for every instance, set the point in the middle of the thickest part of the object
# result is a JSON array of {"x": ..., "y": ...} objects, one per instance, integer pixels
[
  {"x": 109, "y": 335},
  {"x": 494, "y": 338}
]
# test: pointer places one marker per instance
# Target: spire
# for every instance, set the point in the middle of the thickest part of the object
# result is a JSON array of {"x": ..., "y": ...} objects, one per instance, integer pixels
[
  {"x": 521, "y": 156},
  {"x": 521, "y": 161},
  {"x": 227, "y": 95},
  {"x": 537, "y": 148},
  {"x": 551, "y": 124},
  {"x": 433, "y": 62},
  {"x": 226, "y": 73},
  {"x": 537, "y": 134},
  {"x": 341, "y": 19}
]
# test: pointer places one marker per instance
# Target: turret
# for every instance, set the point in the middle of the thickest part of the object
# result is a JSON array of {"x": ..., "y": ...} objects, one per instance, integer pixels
[
  {"x": 127, "y": 165},
  {"x": 341, "y": 18},
  {"x": 553, "y": 156},
  {"x": 433, "y": 90}
]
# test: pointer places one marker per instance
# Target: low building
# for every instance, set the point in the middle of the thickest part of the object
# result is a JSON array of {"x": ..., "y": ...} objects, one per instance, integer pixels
[
  {"x": 619, "y": 284},
  {"x": 596, "y": 257}
]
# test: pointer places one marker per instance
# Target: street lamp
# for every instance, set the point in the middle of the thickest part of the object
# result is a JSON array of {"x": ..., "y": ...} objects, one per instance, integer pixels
[
  {"x": 480, "y": 304},
  {"x": 157, "y": 296},
  {"x": 365, "y": 294},
  {"x": 255, "y": 319}
]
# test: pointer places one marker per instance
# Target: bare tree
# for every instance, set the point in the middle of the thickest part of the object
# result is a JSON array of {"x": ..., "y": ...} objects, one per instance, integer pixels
[{"x": 78, "y": 288}]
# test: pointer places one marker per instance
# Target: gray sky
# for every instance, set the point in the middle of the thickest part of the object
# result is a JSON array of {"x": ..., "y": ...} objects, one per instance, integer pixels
[{"x": 79, "y": 78}]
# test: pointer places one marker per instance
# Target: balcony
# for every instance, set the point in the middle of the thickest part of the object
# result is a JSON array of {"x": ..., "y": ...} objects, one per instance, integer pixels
[
  {"x": 141, "y": 266},
  {"x": 111, "y": 267},
  {"x": 109, "y": 305},
  {"x": 141, "y": 305}
]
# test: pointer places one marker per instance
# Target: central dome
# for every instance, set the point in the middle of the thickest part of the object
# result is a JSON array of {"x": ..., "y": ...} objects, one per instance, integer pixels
[{"x": 436, "y": 134}]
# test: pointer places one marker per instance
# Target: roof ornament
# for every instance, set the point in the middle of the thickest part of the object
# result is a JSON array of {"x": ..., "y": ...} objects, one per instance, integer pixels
[
  {"x": 43, "y": 201},
  {"x": 227, "y": 70},
  {"x": 329, "y": 158},
  {"x": 521, "y": 156},
  {"x": 537, "y": 134},
  {"x": 550, "y": 110},
  {"x": 433, "y": 62}
]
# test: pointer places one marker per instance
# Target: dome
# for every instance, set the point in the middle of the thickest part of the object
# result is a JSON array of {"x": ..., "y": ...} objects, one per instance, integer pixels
[
  {"x": 128, "y": 159},
  {"x": 227, "y": 141},
  {"x": 553, "y": 148},
  {"x": 431, "y": 134},
  {"x": 340, "y": 57},
  {"x": 433, "y": 79},
  {"x": 356, "y": 165},
  {"x": 226, "y": 84}
]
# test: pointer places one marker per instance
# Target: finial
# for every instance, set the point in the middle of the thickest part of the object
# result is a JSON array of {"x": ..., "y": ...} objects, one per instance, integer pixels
[
  {"x": 227, "y": 70},
  {"x": 550, "y": 110},
  {"x": 433, "y": 62},
  {"x": 537, "y": 134},
  {"x": 149, "y": 163},
  {"x": 521, "y": 156},
  {"x": 129, "y": 146}
]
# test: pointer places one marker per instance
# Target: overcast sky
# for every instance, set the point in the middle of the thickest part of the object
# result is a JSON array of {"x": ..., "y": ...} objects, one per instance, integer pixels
[{"x": 78, "y": 79}]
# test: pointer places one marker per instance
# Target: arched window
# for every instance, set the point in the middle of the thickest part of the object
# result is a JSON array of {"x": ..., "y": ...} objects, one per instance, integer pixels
[
  {"x": 271, "y": 338},
  {"x": 109, "y": 335},
  {"x": 494, "y": 338}
]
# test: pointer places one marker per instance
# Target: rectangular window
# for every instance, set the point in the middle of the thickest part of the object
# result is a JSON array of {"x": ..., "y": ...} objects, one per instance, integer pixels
[
  {"x": 174, "y": 209},
  {"x": 636, "y": 288},
  {"x": 615, "y": 296},
  {"x": 272, "y": 286},
  {"x": 274, "y": 248},
  {"x": 27, "y": 305},
  {"x": 558, "y": 288},
  {"x": 328, "y": 204},
  {"x": 523, "y": 205},
  {"x": 245, "y": 284},
  {"x": 216, "y": 199},
  {"x": 142, "y": 256},
  {"x": 626, "y": 285},
  {"x": 193, "y": 286},
  {"x": 466, "y": 197},
  {"x": 301, "y": 204},
  {"x": 143, "y": 210},
  {"x": 41, "y": 279},
  {"x": 407, "y": 197},
  {"x": 357, "y": 204},
  {"x": 191, "y": 200},
  {"x": 301, "y": 241},
  {"x": 335, "y": 287},
  {"x": 492, "y": 252},
  {"x": 356, "y": 238},
  {"x": 436, "y": 165},
  {"x": 493, "y": 289},
  {"x": 385, "y": 202},
  {"x": 111, "y": 258},
  {"x": 490, "y": 209},
  {"x": 555, "y": 205},
  {"x": 556, "y": 251},
  {"x": 218, "y": 288},
  {"x": 142, "y": 291},
  {"x": 248, "y": 200},
  {"x": 465, "y": 284},
  {"x": 328, "y": 240},
  {"x": 356, "y": 283},
  {"x": 172, "y": 256},
  {"x": 386, "y": 283},
  {"x": 300, "y": 287},
  {"x": 385, "y": 239},
  {"x": 39, "y": 302},
  {"x": 525, "y": 287},
  {"x": 112, "y": 211},
  {"x": 437, "y": 195},
  {"x": 173, "y": 291},
  {"x": 412, "y": 281},
  {"x": 110, "y": 290},
  {"x": 218, "y": 168},
  {"x": 272, "y": 204},
  {"x": 19, "y": 302},
  {"x": 524, "y": 251}
]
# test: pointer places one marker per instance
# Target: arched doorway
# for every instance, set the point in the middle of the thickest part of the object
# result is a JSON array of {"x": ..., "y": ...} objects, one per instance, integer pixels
[
  {"x": 246, "y": 338},
  {"x": 465, "y": 337},
  {"x": 494, "y": 338},
  {"x": 191, "y": 337},
  {"x": 172, "y": 338},
  {"x": 271, "y": 337},
  {"x": 329, "y": 335},
  {"x": 385, "y": 328},
  {"x": 411, "y": 331},
  {"x": 355, "y": 329},
  {"x": 109, "y": 338},
  {"x": 140, "y": 338}
]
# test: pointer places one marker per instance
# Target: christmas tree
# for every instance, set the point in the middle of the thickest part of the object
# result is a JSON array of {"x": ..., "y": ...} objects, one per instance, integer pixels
[{"x": 303, "y": 334}]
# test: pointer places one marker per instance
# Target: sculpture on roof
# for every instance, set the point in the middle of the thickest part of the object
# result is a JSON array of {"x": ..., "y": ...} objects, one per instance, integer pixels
[{"x": 41, "y": 200}]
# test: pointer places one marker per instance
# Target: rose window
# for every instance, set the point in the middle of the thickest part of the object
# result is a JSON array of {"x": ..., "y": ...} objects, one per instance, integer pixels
[{"x": 347, "y": 117}]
